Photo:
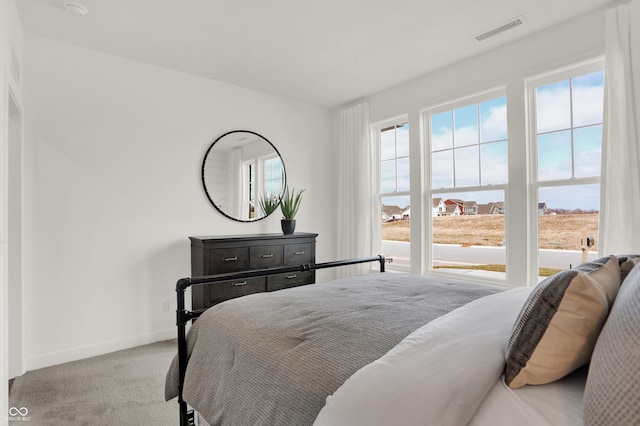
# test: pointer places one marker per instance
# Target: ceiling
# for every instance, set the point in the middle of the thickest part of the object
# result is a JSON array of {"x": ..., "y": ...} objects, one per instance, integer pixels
[{"x": 327, "y": 52}]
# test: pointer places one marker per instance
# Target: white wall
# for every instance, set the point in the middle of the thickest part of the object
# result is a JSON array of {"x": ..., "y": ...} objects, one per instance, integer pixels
[
  {"x": 562, "y": 45},
  {"x": 113, "y": 190}
]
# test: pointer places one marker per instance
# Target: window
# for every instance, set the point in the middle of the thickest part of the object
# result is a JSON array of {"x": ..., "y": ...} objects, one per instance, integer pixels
[
  {"x": 567, "y": 122},
  {"x": 395, "y": 213},
  {"x": 469, "y": 172},
  {"x": 511, "y": 173}
]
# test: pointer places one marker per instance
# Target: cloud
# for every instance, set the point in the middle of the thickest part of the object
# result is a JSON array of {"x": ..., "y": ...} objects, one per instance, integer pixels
[
  {"x": 495, "y": 163},
  {"x": 467, "y": 166},
  {"x": 553, "y": 107},
  {"x": 387, "y": 144},
  {"x": 554, "y": 103},
  {"x": 554, "y": 155},
  {"x": 465, "y": 136},
  {"x": 470, "y": 155},
  {"x": 442, "y": 169},
  {"x": 441, "y": 131},
  {"x": 493, "y": 123},
  {"x": 588, "y": 105}
]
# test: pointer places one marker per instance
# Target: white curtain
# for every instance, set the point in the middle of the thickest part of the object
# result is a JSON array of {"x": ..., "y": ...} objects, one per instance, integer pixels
[
  {"x": 620, "y": 212},
  {"x": 358, "y": 234}
]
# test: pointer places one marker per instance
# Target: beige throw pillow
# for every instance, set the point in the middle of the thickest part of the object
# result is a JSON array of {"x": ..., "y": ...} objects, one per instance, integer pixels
[{"x": 558, "y": 326}]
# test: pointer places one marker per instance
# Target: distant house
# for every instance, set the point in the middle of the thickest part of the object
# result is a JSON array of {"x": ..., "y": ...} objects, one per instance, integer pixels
[
  {"x": 406, "y": 213},
  {"x": 456, "y": 201},
  {"x": 464, "y": 207},
  {"x": 470, "y": 207},
  {"x": 390, "y": 213},
  {"x": 491, "y": 208},
  {"x": 484, "y": 208},
  {"x": 446, "y": 207},
  {"x": 438, "y": 207},
  {"x": 542, "y": 209},
  {"x": 452, "y": 210}
]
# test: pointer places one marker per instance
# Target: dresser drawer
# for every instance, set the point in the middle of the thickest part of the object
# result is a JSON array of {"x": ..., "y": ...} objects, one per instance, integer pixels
[
  {"x": 225, "y": 290},
  {"x": 227, "y": 260},
  {"x": 298, "y": 254},
  {"x": 291, "y": 279},
  {"x": 266, "y": 256}
]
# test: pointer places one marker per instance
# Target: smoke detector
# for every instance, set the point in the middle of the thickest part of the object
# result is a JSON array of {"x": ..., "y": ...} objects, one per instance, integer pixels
[{"x": 75, "y": 9}]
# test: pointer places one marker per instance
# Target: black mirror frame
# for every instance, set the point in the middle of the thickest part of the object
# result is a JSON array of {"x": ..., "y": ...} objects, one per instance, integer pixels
[{"x": 204, "y": 185}]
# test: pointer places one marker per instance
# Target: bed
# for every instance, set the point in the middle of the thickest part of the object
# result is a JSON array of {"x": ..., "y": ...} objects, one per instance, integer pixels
[{"x": 395, "y": 348}]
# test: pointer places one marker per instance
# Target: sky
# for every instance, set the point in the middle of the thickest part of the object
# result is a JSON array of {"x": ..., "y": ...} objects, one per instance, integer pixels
[{"x": 469, "y": 146}]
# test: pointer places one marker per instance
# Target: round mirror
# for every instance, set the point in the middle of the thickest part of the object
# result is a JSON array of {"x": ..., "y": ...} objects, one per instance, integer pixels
[{"x": 243, "y": 176}]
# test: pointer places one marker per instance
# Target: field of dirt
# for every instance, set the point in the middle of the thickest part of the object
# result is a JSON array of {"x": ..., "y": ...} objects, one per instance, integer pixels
[{"x": 562, "y": 231}]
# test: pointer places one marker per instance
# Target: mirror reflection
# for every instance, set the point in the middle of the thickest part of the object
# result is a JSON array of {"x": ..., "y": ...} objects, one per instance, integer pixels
[{"x": 243, "y": 175}]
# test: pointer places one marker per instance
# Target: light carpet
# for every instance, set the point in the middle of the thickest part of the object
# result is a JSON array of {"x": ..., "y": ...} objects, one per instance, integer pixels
[{"x": 120, "y": 388}]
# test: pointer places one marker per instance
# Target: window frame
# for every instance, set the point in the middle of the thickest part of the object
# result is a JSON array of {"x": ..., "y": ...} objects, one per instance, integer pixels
[
  {"x": 430, "y": 192},
  {"x": 376, "y": 129},
  {"x": 531, "y": 84}
]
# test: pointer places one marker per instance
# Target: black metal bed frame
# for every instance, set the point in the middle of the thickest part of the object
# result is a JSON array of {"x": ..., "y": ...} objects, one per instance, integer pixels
[{"x": 183, "y": 316}]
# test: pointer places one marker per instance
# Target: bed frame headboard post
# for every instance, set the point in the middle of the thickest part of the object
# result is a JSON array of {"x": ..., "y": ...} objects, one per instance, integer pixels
[
  {"x": 182, "y": 318},
  {"x": 382, "y": 260}
]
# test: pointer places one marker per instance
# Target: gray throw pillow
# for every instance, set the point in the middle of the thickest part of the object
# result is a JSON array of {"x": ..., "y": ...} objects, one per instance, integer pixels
[
  {"x": 627, "y": 263},
  {"x": 612, "y": 392}
]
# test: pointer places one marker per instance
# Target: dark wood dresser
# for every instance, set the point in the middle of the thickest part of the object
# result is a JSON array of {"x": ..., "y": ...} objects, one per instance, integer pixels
[{"x": 216, "y": 255}]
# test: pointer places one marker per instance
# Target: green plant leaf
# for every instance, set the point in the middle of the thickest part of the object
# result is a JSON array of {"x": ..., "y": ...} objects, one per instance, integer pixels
[
  {"x": 268, "y": 204},
  {"x": 290, "y": 203}
]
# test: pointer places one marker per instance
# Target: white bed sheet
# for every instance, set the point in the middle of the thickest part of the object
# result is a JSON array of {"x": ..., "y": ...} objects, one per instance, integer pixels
[
  {"x": 558, "y": 403},
  {"x": 449, "y": 372}
]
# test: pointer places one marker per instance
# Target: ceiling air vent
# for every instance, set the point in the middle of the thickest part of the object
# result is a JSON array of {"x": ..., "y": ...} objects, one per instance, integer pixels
[{"x": 500, "y": 28}]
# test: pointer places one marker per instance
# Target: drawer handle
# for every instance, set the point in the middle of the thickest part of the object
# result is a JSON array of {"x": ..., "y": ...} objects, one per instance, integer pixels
[
  {"x": 298, "y": 253},
  {"x": 230, "y": 259},
  {"x": 263, "y": 256},
  {"x": 290, "y": 277},
  {"x": 238, "y": 284}
]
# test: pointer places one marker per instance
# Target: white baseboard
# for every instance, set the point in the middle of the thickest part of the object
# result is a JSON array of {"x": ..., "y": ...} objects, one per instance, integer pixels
[{"x": 98, "y": 349}]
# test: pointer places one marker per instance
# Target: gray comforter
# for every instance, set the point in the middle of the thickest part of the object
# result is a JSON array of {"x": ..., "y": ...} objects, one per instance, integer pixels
[{"x": 273, "y": 358}]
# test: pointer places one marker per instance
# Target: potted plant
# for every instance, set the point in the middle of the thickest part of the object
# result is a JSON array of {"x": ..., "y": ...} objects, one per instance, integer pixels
[{"x": 289, "y": 205}]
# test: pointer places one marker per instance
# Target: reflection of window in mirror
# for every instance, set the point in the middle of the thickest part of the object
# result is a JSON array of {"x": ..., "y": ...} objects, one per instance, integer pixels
[
  {"x": 249, "y": 193},
  {"x": 264, "y": 176},
  {"x": 273, "y": 176}
]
